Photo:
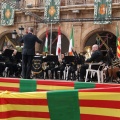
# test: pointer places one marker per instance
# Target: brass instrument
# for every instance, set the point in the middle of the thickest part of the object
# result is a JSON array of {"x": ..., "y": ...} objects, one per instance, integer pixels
[{"x": 87, "y": 49}]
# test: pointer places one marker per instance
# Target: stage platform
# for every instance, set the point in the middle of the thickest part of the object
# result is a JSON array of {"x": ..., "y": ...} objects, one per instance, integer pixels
[{"x": 36, "y": 99}]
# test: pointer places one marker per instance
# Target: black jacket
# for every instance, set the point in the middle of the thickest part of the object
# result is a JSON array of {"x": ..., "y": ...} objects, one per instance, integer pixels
[
  {"x": 29, "y": 41},
  {"x": 96, "y": 56}
]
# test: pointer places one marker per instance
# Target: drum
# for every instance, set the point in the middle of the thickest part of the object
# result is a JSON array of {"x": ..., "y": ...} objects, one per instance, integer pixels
[{"x": 37, "y": 64}]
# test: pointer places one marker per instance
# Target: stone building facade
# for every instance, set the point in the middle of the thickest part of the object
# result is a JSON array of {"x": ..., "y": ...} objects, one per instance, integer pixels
[{"x": 84, "y": 32}]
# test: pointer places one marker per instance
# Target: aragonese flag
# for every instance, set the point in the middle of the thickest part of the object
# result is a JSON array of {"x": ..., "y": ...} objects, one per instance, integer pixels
[
  {"x": 58, "y": 48},
  {"x": 71, "y": 42},
  {"x": 46, "y": 42},
  {"x": 118, "y": 47}
]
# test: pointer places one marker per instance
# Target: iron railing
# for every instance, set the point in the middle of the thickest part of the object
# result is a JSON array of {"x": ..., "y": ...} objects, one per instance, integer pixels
[{"x": 41, "y": 3}]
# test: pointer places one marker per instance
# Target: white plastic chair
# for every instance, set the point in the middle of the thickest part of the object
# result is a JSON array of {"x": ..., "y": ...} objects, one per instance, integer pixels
[{"x": 92, "y": 72}]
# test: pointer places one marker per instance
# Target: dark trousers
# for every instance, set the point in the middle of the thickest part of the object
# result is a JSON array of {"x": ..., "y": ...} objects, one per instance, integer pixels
[
  {"x": 83, "y": 70},
  {"x": 55, "y": 70},
  {"x": 2, "y": 68},
  {"x": 26, "y": 66}
]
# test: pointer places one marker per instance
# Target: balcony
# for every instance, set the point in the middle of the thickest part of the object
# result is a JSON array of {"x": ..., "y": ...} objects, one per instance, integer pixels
[{"x": 41, "y": 3}]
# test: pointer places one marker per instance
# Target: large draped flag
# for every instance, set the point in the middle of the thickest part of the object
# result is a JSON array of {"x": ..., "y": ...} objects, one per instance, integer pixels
[
  {"x": 118, "y": 41},
  {"x": 102, "y": 11},
  {"x": 58, "y": 48},
  {"x": 7, "y": 14},
  {"x": 118, "y": 47},
  {"x": 46, "y": 42},
  {"x": 71, "y": 42},
  {"x": 52, "y": 10}
]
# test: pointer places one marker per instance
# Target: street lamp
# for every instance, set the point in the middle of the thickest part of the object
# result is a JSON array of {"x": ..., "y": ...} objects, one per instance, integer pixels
[
  {"x": 21, "y": 30},
  {"x": 14, "y": 33}
]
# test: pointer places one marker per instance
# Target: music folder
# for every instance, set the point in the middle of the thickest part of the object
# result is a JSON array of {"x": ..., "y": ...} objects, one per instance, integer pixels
[{"x": 8, "y": 52}]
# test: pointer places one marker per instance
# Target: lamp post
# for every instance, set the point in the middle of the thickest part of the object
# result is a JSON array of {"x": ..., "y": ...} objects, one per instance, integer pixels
[
  {"x": 14, "y": 36},
  {"x": 21, "y": 30},
  {"x": 14, "y": 33}
]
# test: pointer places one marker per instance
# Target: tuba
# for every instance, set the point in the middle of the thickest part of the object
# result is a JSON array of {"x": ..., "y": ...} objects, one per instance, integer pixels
[{"x": 87, "y": 50}]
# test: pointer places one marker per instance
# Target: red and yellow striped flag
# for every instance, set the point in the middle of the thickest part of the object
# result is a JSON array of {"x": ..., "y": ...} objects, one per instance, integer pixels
[{"x": 118, "y": 47}]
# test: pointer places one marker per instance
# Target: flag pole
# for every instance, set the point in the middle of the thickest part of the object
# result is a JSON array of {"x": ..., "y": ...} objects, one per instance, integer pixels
[{"x": 51, "y": 39}]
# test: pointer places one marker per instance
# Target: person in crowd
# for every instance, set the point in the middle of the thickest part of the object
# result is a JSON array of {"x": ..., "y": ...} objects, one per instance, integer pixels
[
  {"x": 96, "y": 57},
  {"x": 60, "y": 67},
  {"x": 28, "y": 52}
]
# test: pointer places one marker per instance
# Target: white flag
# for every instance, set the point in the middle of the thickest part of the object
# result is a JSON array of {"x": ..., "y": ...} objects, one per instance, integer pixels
[{"x": 58, "y": 48}]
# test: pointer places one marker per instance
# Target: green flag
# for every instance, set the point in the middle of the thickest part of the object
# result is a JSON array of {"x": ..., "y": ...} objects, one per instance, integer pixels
[
  {"x": 71, "y": 43},
  {"x": 7, "y": 14},
  {"x": 102, "y": 11},
  {"x": 46, "y": 42},
  {"x": 52, "y": 10},
  {"x": 117, "y": 34}
]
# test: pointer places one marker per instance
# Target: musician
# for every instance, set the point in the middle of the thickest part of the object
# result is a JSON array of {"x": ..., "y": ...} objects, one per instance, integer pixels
[
  {"x": 72, "y": 69},
  {"x": 50, "y": 66},
  {"x": 60, "y": 67},
  {"x": 17, "y": 68},
  {"x": 28, "y": 52},
  {"x": 96, "y": 57},
  {"x": 2, "y": 64}
]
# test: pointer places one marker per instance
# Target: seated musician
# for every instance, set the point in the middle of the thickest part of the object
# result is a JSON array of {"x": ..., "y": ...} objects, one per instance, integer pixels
[
  {"x": 17, "y": 68},
  {"x": 10, "y": 63},
  {"x": 2, "y": 65},
  {"x": 60, "y": 67},
  {"x": 96, "y": 57},
  {"x": 50, "y": 65},
  {"x": 71, "y": 71}
]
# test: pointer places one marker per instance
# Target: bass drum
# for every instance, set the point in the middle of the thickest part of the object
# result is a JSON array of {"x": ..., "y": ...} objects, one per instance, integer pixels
[{"x": 37, "y": 66}]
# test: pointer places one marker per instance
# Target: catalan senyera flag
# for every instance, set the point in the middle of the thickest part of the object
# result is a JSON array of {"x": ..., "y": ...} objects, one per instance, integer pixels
[
  {"x": 58, "y": 47},
  {"x": 96, "y": 104},
  {"x": 71, "y": 42},
  {"x": 118, "y": 47},
  {"x": 84, "y": 104},
  {"x": 46, "y": 42}
]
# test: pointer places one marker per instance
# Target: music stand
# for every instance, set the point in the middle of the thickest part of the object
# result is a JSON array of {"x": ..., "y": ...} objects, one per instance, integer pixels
[
  {"x": 69, "y": 59},
  {"x": 8, "y": 53},
  {"x": 18, "y": 56},
  {"x": 51, "y": 58}
]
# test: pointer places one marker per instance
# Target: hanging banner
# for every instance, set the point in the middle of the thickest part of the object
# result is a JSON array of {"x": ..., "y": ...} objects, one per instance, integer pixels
[
  {"x": 7, "y": 14},
  {"x": 102, "y": 11},
  {"x": 52, "y": 10}
]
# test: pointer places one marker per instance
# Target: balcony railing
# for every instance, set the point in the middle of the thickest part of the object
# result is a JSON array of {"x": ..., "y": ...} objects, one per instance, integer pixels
[
  {"x": 41, "y": 3},
  {"x": 75, "y": 2}
]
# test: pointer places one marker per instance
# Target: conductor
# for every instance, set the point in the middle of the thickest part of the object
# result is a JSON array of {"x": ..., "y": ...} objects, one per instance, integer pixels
[{"x": 28, "y": 52}]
